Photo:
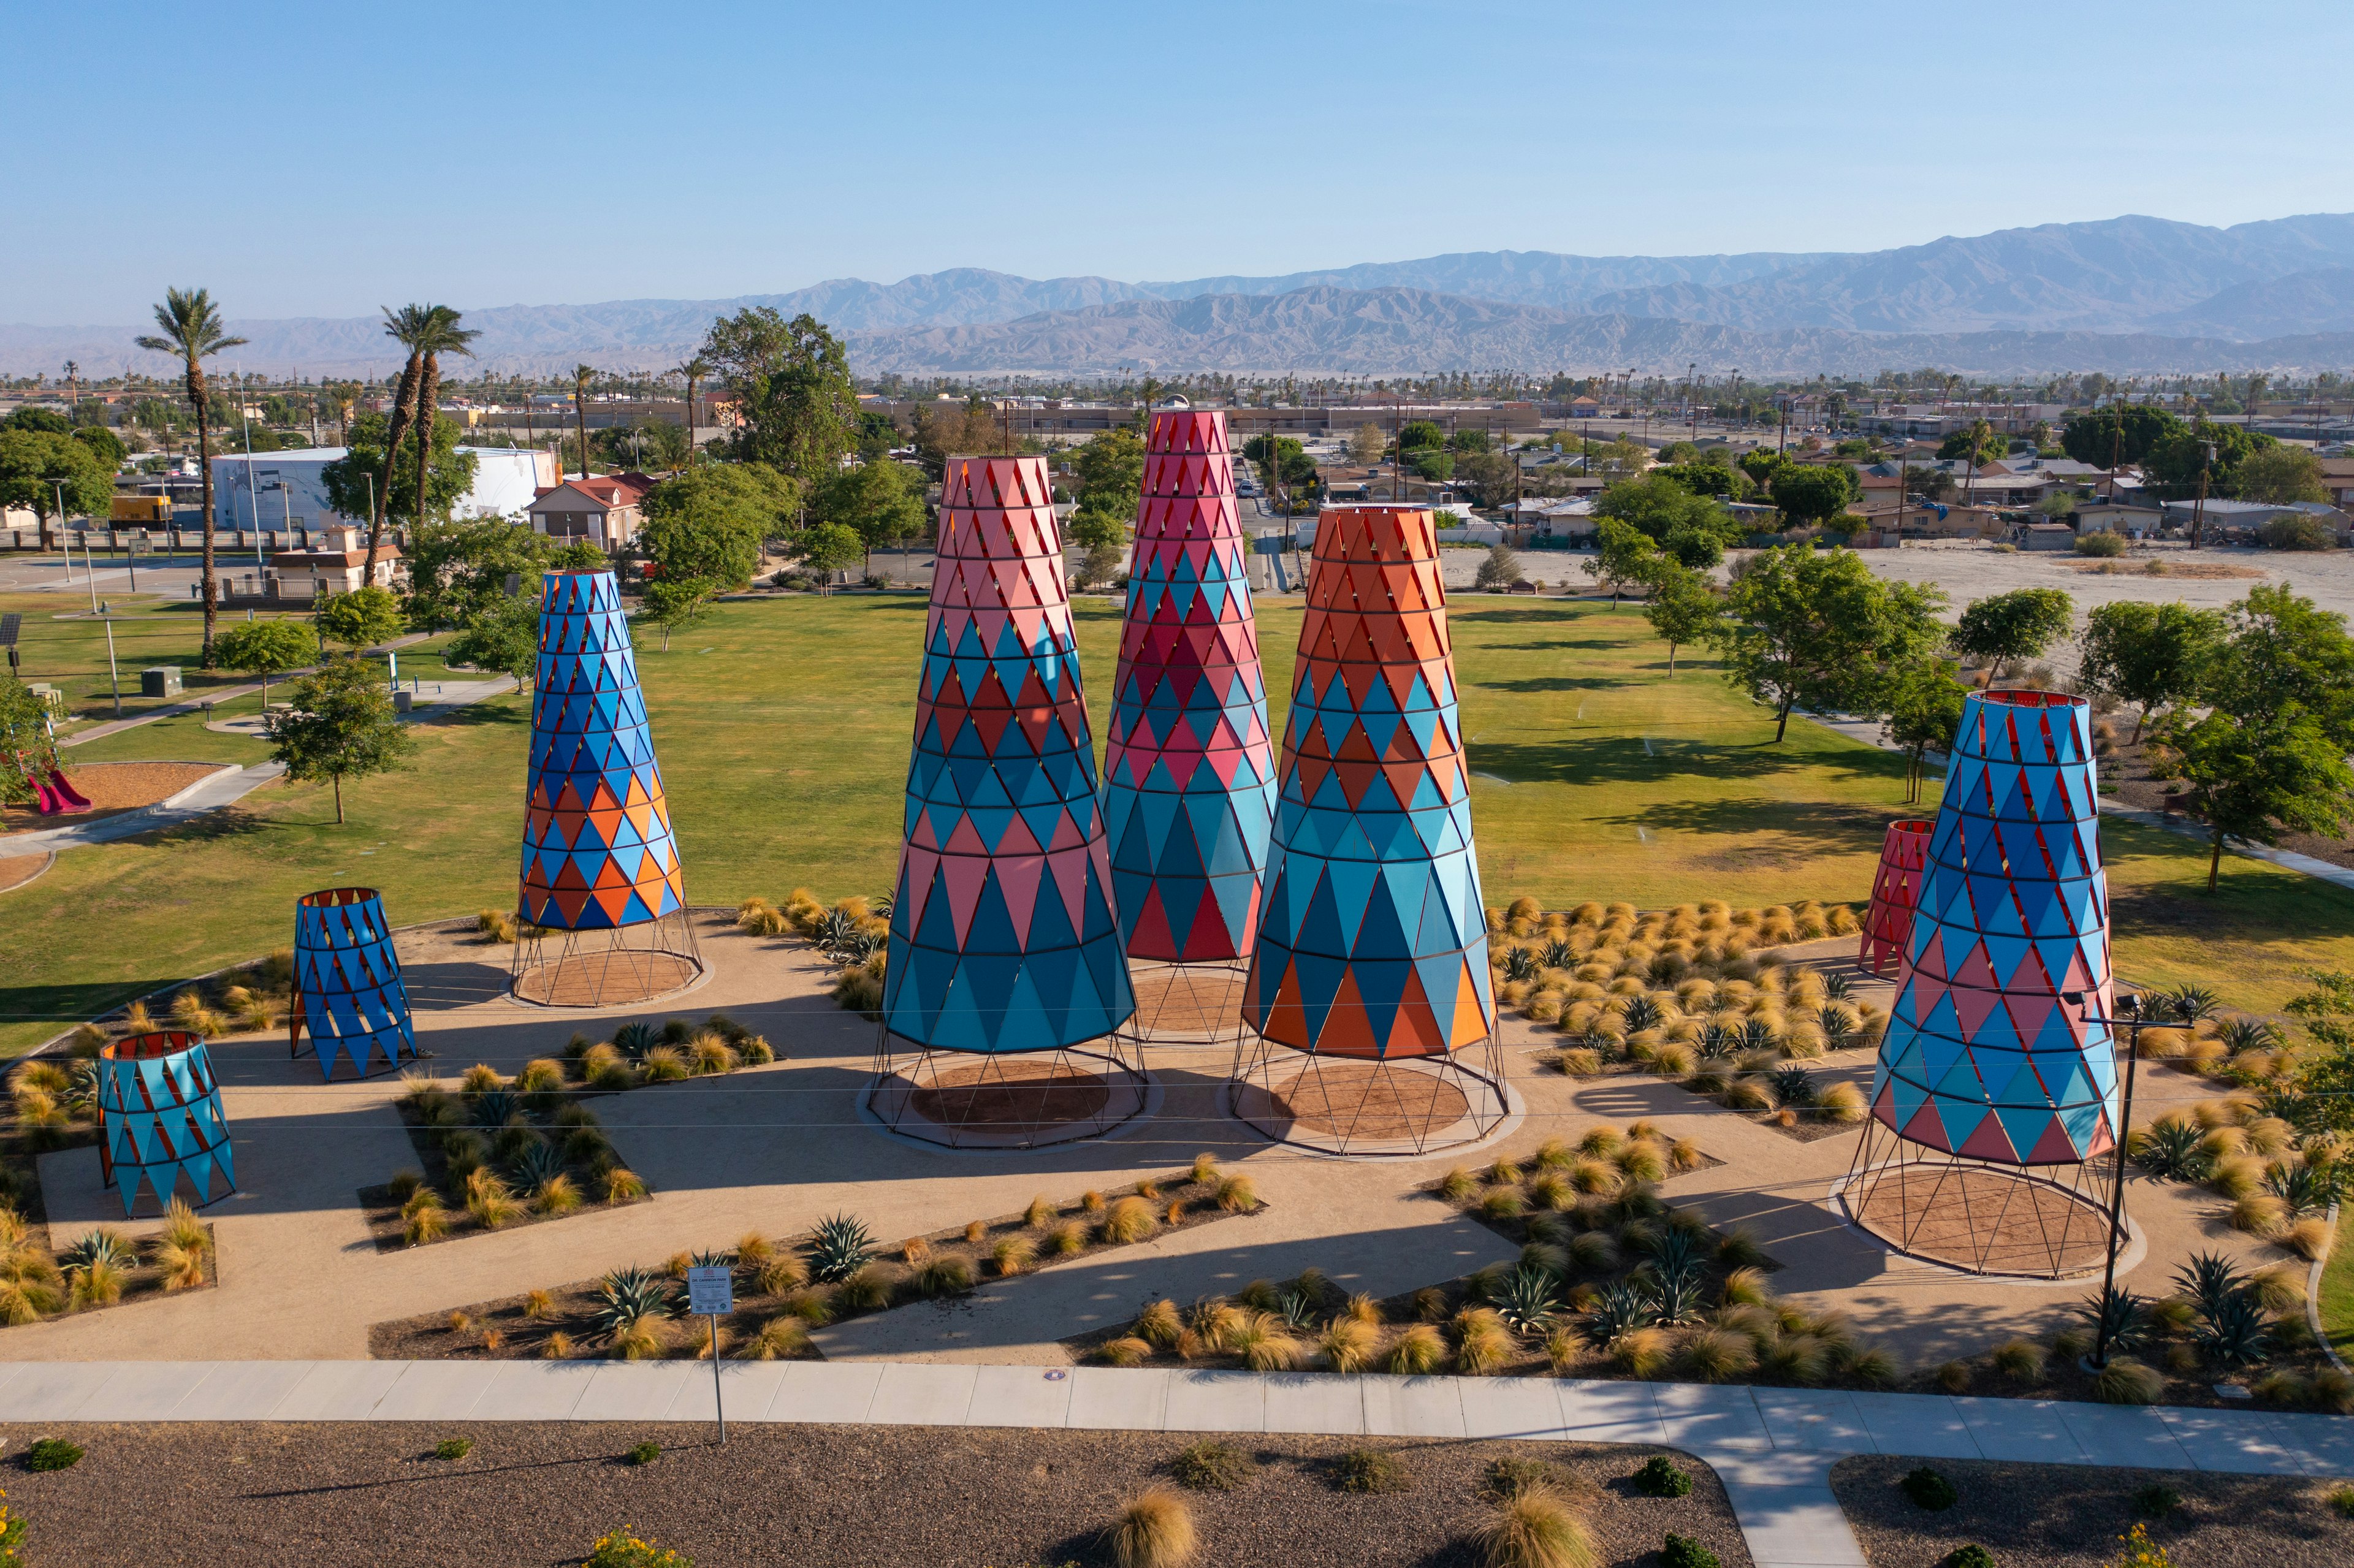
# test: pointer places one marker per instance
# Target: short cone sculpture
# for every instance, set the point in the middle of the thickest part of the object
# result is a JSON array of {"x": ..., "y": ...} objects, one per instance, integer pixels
[
  {"x": 1002, "y": 938},
  {"x": 347, "y": 988},
  {"x": 1188, "y": 772},
  {"x": 1986, "y": 1057},
  {"x": 1372, "y": 945},
  {"x": 159, "y": 1119},
  {"x": 597, "y": 850},
  {"x": 1895, "y": 890},
  {"x": 596, "y": 845}
]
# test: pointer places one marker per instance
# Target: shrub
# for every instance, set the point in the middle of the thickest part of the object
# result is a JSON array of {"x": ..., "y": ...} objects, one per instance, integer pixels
[
  {"x": 1154, "y": 1529},
  {"x": 2101, "y": 544},
  {"x": 1124, "y": 1351},
  {"x": 1713, "y": 1355},
  {"x": 868, "y": 1289},
  {"x": 53, "y": 1454},
  {"x": 556, "y": 1347},
  {"x": 780, "y": 1272},
  {"x": 2126, "y": 1382},
  {"x": 1930, "y": 1489},
  {"x": 2342, "y": 1498},
  {"x": 1369, "y": 1471},
  {"x": 1128, "y": 1220},
  {"x": 1417, "y": 1351},
  {"x": 1639, "y": 1352},
  {"x": 1684, "y": 1551},
  {"x": 1039, "y": 1213},
  {"x": 1484, "y": 1347},
  {"x": 1534, "y": 1527},
  {"x": 1661, "y": 1477},
  {"x": 1066, "y": 1239},
  {"x": 1498, "y": 1203},
  {"x": 1347, "y": 1345},
  {"x": 779, "y": 1337},
  {"x": 947, "y": 1275},
  {"x": 2021, "y": 1361},
  {"x": 664, "y": 1065},
  {"x": 2155, "y": 1500},
  {"x": 1970, "y": 1555},
  {"x": 1011, "y": 1255},
  {"x": 1237, "y": 1195},
  {"x": 453, "y": 1448},
  {"x": 1204, "y": 1169},
  {"x": 1212, "y": 1466}
]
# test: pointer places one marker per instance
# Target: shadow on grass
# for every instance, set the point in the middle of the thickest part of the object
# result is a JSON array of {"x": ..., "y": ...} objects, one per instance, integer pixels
[
  {"x": 1803, "y": 828},
  {"x": 1623, "y": 761},
  {"x": 1554, "y": 683}
]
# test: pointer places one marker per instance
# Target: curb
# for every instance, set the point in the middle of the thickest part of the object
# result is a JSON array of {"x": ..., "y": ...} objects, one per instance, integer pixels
[{"x": 2313, "y": 1297}]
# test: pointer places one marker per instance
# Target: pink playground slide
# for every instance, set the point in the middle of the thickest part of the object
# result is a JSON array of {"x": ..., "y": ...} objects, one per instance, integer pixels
[{"x": 70, "y": 800}]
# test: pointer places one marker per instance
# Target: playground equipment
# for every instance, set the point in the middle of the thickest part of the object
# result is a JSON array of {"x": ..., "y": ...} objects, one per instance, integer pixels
[
  {"x": 1188, "y": 774},
  {"x": 1995, "y": 1089},
  {"x": 348, "y": 986},
  {"x": 160, "y": 1121},
  {"x": 603, "y": 903},
  {"x": 1372, "y": 1027},
  {"x": 1005, "y": 959}
]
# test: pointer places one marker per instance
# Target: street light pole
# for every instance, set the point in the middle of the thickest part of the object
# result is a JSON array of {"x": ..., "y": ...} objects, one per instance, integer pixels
[{"x": 2130, "y": 1020}]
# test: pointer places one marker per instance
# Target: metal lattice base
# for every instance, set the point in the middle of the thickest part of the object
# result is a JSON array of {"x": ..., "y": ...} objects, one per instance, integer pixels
[
  {"x": 1389, "y": 1108},
  {"x": 1032, "y": 1099},
  {"x": 1186, "y": 1004},
  {"x": 613, "y": 968},
  {"x": 2029, "y": 1221}
]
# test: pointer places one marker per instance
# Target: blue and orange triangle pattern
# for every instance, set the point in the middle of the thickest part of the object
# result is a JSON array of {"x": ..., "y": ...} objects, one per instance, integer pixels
[
  {"x": 1189, "y": 771},
  {"x": 348, "y": 986},
  {"x": 1984, "y": 1055},
  {"x": 1002, "y": 936},
  {"x": 598, "y": 851},
  {"x": 1373, "y": 940}
]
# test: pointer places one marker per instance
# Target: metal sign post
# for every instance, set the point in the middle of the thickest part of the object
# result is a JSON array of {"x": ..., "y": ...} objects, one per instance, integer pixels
[{"x": 711, "y": 1291}]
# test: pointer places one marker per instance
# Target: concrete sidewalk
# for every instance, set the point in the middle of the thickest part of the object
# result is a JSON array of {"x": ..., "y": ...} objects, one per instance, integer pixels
[
  {"x": 223, "y": 695},
  {"x": 1773, "y": 1448}
]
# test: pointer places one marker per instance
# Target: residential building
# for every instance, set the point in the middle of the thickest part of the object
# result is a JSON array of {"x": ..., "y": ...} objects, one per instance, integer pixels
[
  {"x": 606, "y": 509},
  {"x": 2106, "y": 517},
  {"x": 336, "y": 563}
]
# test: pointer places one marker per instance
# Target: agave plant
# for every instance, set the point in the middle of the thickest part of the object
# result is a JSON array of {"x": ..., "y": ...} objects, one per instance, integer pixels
[
  {"x": 860, "y": 946},
  {"x": 494, "y": 1106},
  {"x": 2121, "y": 1313},
  {"x": 1836, "y": 1023},
  {"x": 836, "y": 928},
  {"x": 82, "y": 1087},
  {"x": 2210, "y": 1280},
  {"x": 2174, "y": 1150},
  {"x": 1520, "y": 964},
  {"x": 2189, "y": 1003},
  {"x": 2240, "y": 1032},
  {"x": 1716, "y": 1040},
  {"x": 97, "y": 1247},
  {"x": 1527, "y": 1300},
  {"x": 1641, "y": 1012},
  {"x": 2303, "y": 1188},
  {"x": 1620, "y": 1309},
  {"x": 883, "y": 903},
  {"x": 1298, "y": 1310},
  {"x": 1758, "y": 1036},
  {"x": 634, "y": 1040},
  {"x": 536, "y": 1163},
  {"x": 2234, "y": 1335},
  {"x": 1794, "y": 1087},
  {"x": 1677, "y": 1251},
  {"x": 629, "y": 1295},
  {"x": 1839, "y": 988},
  {"x": 1675, "y": 1298},
  {"x": 1558, "y": 955},
  {"x": 837, "y": 1247}
]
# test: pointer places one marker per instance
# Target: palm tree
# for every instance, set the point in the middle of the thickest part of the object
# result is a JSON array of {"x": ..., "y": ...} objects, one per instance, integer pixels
[
  {"x": 695, "y": 369},
  {"x": 442, "y": 335},
  {"x": 581, "y": 376},
  {"x": 192, "y": 329},
  {"x": 409, "y": 326}
]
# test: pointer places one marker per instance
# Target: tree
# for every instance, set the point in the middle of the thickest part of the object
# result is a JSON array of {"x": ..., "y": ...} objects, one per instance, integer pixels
[
  {"x": 109, "y": 447},
  {"x": 2253, "y": 779},
  {"x": 1491, "y": 478},
  {"x": 1501, "y": 569},
  {"x": 1683, "y": 609},
  {"x": 362, "y": 618},
  {"x": 2324, "y": 1077},
  {"x": 501, "y": 635},
  {"x": 40, "y": 421},
  {"x": 2124, "y": 435},
  {"x": 2181, "y": 458},
  {"x": 2058, "y": 504},
  {"x": 2280, "y": 476},
  {"x": 1709, "y": 477},
  {"x": 880, "y": 501},
  {"x": 355, "y": 483},
  {"x": 1815, "y": 628},
  {"x": 1101, "y": 564},
  {"x": 1623, "y": 557},
  {"x": 457, "y": 571},
  {"x": 341, "y": 725},
  {"x": 1110, "y": 471},
  {"x": 696, "y": 368},
  {"x": 957, "y": 430},
  {"x": 800, "y": 408},
  {"x": 1762, "y": 466},
  {"x": 675, "y": 604},
  {"x": 583, "y": 375},
  {"x": 37, "y": 467},
  {"x": 2284, "y": 653},
  {"x": 1366, "y": 444},
  {"x": 267, "y": 648},
  {"x": 1281, "y": 461},
  {"x": 826, "y": 548},
  {"x": 410, "y": 326},
  {"x": 1812, "y": 495},
  {"x": 1977, "y": 444},
  {"x": 2150, "y": 655},
  {"x": 191, "y": 330},
  {"x": 2019, "y": 624},
  {"x": 442, "y": 335},
  {"x": 1418, "y": 434},
  {"x": 1922, "y": 711},
  {"x": 2298, "y": 531},
  {"x": 1657, "y": 507},
  {"x": 712, "y": 521}
]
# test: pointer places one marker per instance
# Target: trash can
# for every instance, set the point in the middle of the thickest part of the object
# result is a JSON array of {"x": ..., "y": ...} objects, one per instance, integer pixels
[{"x": 401, "y": 701}]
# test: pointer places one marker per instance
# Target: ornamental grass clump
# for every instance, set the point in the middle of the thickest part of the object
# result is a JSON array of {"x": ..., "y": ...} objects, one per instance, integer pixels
[
  {"x": 1013, "y": 1255},
  {"x": 1535, "y": 1527},
  {"x": 1417, "y": 1351},
  {"x": 1238, "y": 1195},
  {"x": 1154, "y": 1528},
  {"x": 1212, "y": 1466},
  {"x": 1128, "y": 1220},
  {"x": 1369, "y": 1471}
]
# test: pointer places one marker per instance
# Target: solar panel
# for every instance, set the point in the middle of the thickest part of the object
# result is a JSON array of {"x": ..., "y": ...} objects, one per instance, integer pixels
[{"x": 9, "y": 625}]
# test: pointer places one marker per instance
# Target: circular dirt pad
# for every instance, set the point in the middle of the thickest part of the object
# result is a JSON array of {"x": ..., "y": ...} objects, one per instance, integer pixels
[
  {"x": 1364, "y": 1099},
  {"x": 1009, "y": 1096},
  {"x": 605, "y": 979},
  {"x": 1187, "y": 1004},
  {"x": 1986, "y": 1219}
]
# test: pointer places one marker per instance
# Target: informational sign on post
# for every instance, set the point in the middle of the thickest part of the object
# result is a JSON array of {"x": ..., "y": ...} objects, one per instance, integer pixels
[{"x": 711, "y": 1293}]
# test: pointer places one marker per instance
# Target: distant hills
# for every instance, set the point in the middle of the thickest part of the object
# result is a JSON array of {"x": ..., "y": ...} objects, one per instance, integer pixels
[{"x": 2127, "y": 295}]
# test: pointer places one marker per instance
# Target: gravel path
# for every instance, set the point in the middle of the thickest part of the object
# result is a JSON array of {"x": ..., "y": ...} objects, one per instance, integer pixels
[
  {"x": 2066, "y": 1515},
  {"x": 262, "y": 1496}
]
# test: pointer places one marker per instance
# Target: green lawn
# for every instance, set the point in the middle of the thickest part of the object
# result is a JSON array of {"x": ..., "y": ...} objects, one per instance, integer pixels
[
  {"x": 783, "y": 729},
  {"x": 2336, "y": 1299}
]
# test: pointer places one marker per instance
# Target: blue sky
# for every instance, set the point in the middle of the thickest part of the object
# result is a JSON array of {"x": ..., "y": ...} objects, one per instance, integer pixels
[{"x": 321, "y": 159}]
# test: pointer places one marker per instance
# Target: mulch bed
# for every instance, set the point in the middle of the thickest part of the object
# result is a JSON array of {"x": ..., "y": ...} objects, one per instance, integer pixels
[
  {"x": 2070, "y": 1516},
  {"x": 113, "y": 787},
  {"x": 19, "y": 869},
  {"x": 434, "y": 1335},
  {"x": 382, "y": 1210},
  {"x": 291, "y": 1496}
]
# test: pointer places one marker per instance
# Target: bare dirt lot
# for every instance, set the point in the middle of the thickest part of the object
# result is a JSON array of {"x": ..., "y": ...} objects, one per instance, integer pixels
[{"x": 878, "y": 1496}]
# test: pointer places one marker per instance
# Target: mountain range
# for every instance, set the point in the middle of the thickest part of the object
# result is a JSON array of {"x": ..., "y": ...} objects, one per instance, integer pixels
[{"x": 2126, "y": 295}]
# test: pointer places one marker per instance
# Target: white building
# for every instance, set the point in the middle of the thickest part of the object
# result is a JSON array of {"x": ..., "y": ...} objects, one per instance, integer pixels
[{"x": 284, "y": 490}]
